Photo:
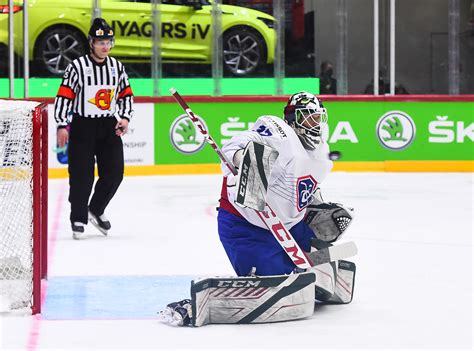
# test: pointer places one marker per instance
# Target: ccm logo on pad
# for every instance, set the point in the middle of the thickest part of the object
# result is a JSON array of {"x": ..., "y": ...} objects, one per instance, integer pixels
[{"x": 238, "y": 283}]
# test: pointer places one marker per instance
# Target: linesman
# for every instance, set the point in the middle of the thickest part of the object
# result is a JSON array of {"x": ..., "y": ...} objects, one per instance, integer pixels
[{"x": 92, "y": 109}]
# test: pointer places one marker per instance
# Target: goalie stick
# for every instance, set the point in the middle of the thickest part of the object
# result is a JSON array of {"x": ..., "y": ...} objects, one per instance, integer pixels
[
  {"x": 333, "y": 253},
  {"x": 268, "y": 216}
]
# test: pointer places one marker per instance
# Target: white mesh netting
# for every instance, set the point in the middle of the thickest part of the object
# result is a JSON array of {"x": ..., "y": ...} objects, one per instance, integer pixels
[{"x": 16, "y": 204}]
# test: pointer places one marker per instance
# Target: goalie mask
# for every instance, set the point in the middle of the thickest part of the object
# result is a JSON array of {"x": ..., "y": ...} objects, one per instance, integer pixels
[
  {"x": 100, "y": 30},
  {"x": 305, "y": 113}
]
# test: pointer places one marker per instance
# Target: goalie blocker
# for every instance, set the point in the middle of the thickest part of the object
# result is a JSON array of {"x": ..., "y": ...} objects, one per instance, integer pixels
[{"x": 255, "y": 166}]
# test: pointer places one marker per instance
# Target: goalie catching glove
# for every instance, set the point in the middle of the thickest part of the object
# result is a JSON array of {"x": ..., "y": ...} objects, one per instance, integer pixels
[{"x": 328, "y": 220}]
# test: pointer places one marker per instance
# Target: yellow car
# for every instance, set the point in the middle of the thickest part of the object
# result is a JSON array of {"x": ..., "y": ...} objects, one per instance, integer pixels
[{"x": 58, "y": 32}]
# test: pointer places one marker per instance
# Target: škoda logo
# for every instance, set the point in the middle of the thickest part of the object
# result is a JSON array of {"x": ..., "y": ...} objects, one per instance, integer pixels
[
  {"x": 185, "y": 137},
  {"x": 395, "y": 130}
]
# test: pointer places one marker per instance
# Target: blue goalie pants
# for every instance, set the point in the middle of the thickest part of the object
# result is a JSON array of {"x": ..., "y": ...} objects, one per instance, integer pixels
[{"x": 250, "y": 246}]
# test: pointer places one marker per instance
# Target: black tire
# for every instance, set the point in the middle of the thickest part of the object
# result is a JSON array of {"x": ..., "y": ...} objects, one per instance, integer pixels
[
  {"x": 57, "y": 48},
  {"x": 244, "y": 51}
]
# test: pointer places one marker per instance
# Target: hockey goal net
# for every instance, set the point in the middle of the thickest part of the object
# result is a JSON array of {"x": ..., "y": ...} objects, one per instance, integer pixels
[{"x": 23, "y": 203}]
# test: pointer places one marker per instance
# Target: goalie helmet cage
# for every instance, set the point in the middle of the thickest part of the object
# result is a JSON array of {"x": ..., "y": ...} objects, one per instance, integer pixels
[{"x": 23, "y": 203}]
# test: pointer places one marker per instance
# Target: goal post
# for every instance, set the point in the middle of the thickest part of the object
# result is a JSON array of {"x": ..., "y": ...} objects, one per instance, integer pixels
[
  {"x": 40, "y": 202},
  {"x": 23, "y": 203}
]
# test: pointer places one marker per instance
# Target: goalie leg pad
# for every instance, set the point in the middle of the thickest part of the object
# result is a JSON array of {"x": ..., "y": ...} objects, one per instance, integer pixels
[
  {"x": 254, "y": 172},
  {"x": 325, "y": 281},
  {"x": 343, "y": 274},
  {"x": 345, "y": 281},
  {"x": 245, "y": 300}
]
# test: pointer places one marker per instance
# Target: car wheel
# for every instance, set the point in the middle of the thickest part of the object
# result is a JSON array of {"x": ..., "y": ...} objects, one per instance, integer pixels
[
  {"x": 58, "y": 47},
  {"x": 243, "y": 51}
]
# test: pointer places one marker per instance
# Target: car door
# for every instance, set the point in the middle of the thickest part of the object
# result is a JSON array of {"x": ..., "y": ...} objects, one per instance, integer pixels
[
  {"x": 126, "y": 18},
  {"x": 185, "y": 31}
]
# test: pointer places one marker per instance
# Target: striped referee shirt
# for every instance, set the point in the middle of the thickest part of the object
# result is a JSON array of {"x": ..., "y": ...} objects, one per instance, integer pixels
[{"x": 93, "y": 90}]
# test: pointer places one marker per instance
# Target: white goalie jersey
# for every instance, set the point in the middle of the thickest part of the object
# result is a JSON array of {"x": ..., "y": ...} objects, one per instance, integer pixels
[{"x": 295, "y": 176}]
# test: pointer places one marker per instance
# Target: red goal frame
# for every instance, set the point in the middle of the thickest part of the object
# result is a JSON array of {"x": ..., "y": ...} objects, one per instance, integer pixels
[{"x": 40, "y": 202}]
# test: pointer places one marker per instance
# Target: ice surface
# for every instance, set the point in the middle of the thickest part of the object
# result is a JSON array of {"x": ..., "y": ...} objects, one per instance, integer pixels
[{"x": 413, "y": 282}]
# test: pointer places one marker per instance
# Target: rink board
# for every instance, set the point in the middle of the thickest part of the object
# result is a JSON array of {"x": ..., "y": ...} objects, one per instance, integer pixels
[{"x": 413, "y": 133}]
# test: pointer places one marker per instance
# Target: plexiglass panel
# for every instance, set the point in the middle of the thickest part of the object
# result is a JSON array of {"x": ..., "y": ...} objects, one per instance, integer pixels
[
  {"x": 344, "y": 45},
  {"x": 253, "y": 47}
]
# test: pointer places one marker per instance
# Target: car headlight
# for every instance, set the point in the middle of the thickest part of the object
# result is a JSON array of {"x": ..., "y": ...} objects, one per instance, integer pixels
[{"x": 269, "y": 22}]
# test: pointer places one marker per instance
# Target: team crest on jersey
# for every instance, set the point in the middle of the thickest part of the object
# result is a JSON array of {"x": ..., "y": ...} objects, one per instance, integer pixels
[
  {"x": 103, "y": 99},
  {"x": 263, "y": 130},
  {"x": 305, "y": 187}
]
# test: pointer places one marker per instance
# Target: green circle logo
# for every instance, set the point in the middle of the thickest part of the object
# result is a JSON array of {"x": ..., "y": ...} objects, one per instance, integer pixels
[
  {"x": 395, "y": 130},
  {"x": 184, "y": 136}
]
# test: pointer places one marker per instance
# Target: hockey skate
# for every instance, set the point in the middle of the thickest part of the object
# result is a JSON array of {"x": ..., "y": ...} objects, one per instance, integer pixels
[
  {"x": 177, "y": 313},
  {"x": 78, "y": 230},
  {"x": 100, "y": 222}
]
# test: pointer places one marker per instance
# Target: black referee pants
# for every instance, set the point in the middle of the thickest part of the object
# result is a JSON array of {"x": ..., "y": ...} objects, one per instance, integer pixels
[{"x": 91, "y": 139}]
